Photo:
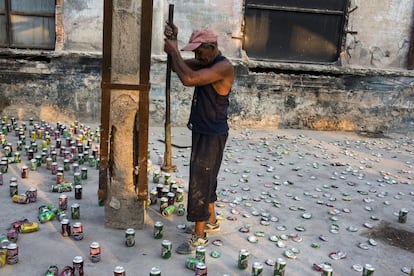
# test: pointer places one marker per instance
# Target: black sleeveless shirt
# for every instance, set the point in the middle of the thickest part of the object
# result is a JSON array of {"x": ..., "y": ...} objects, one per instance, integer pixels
[{"x": 209, "y": 109}]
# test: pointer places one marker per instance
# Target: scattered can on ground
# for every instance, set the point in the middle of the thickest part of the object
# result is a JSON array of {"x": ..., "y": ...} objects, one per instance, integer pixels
[
  {"x": 159, "y": 190},
  {"x": 78, "y": 192},
  {"x": 166, "y": 247},
  {"x": 257, "y": 269},
  {"x": 191, "y": 263},
  {"x": 201, "y": 253},
  {"x": 163, "y": 204},
  {"x": 153, "y": 197},
  {"x": 25, "y": 172},
  {"x": 13, "y": 189},
  {"x": 402, "y": 216},
  {"x": 95, "y": 252},
  {"x": 63, "y": 202},
  {"x": 243, "y": 261},
  {"x": 179, "y": 195},
  {"x": 65, "y": 228},
  {"x": 168, "y": 211},
  {"x": 158, "y": 226},
  {"x": 75, "y": 211},
  {"x": 12, "y": 253},
  {"x": 171, "y": 198},
  {"x": 327, "y": 270},
  {"x": 280, "y": 267},
  {"x": 180, "y": 210},
  {"x": 368, "y": 270},
  {"x": 155, "y": 271},
  {"x": 84, "y": 173},
  {"x": 32, "y": 194},
  {"x": 130, "y": 237},
  {"x": 156, "y": 176},
  {"x": 77, "y": 231},
  {"x": 201, "y": 269},
  {"x": 119, "y": 271},
  {"x": 3, "y": 257},
  {"x": 78, "y": 265}
]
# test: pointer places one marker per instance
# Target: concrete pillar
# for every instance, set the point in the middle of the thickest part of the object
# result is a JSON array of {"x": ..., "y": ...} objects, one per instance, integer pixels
[{"x": 123, "y": 208}]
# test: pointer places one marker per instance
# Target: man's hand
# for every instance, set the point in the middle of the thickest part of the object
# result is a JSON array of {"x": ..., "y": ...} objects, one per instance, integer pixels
[{"x": 170, "y": 31}]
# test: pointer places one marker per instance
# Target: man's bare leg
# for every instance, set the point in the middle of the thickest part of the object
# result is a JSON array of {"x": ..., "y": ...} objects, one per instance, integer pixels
[
  {"x": 199, "y": 228},
  {"x": 211, "y": 210}
]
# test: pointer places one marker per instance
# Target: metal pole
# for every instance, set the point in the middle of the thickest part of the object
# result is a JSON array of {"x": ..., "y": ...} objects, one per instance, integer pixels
[{"x": 168, "y": 166}]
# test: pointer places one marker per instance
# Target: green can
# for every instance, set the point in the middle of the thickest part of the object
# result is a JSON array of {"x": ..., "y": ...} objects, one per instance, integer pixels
[
  {"x": 257, "y": 269},
  {"x": 168, "y": 211},
  {"x": 130, "y": 237},
  {"x": 33, "y": 165},
  {"x": 166, "y": 247},
  {"x": 167, "y": 177},
  {"x": 280, "y": 267},
  {"x": 156, "y": 176},
  {"x": 75, "y": 211},
  {"x": 243, "y": 261},
  {"x": 179, "y": 195},
  {"x": 84, "y": 173},
  {"x": 158, "y": 226},
  {"x": 17, "y": 158},
  {"x": 201, "y": 253},
  {"x": 91, "y": 161},
  {"x": 368, "y": 270},
  {"x": 163, "y": 204},
  {"x": 191, "y": 263},
  {"x": 402, "y": 215},
  {"x": 180, "y": 210},
  {"x": 76, "y": 178}
]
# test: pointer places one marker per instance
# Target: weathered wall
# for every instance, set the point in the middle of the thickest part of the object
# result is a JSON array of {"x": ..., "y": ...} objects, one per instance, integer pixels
[{"x": 63, "y": 85}]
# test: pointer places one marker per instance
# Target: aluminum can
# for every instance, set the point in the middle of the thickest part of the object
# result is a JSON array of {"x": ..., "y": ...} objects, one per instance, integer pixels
[
  {"x": 3, "y": 257},
  {"x": 153, "y": 197},
  {"x": 76, "y": 178},
  {"x": 163, "y": 203},
  {"x": 158, "y": 226},
  {"x": 13, "y": 189},
  {"x": 32, "y": 194},
  {"x": 84, "y": 173},
  {"x": 402, "y": 216},
  {"x": 243, "y": 261},
  {"x": 77, "y": 231},
  {"x": 280, "y": 267},
  {"x": 25, "y": 172},
  {"x": 130, "y": 237},
  {"x": 201, "y": 253},
  {"x": 17, "y": 158},
  {"x": 191, "y": 263},
  {"x": 257, "y": 269},
  {"x": 201, "y": 269},
  {"x": 180, "y": 210},
  {"x": 171, "y": 198},
  {"x": 65, "y": 228},
  {"x": 75, "y": 211},
  {"x": 166, "y": 247},
  {"x": 12, "y": 253},
  {"x": 327, "y": 270},
  {"x": 165, "y": 192},
  {"x": 53, "y": 168},
  {"x": 1, "y": 178},
  {"x": 156, "y": 176},
  {"x": 155, "y": 271},
  {"x": 4, "y": 242},
  {"x": 59, "y": 178},
  {"x": 63, "y": 202},
  {"x": 368, "y": 270},
  {"x": 179, "y": 195},
  {"x": 119, "y": 271},
  {"x": 168, "y": 211},
  {"x": 167, "y": 177},
  {"x": 95, "y": 252},
  {"x": 78, "y": 192},
  {"x": 159, "y": 190},
  {"x": 78, "y": 266}
]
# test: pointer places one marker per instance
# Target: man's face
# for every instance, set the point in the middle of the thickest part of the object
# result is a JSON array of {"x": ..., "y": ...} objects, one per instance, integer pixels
[{"x": 205, "y": 53}]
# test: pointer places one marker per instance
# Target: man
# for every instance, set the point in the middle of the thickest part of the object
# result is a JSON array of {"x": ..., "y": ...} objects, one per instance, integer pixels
[{"x": 212, "y": 75}]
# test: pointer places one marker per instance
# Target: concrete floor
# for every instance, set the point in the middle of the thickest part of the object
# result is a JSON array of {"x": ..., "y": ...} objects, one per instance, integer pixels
[{"x": 276, "y": 183}]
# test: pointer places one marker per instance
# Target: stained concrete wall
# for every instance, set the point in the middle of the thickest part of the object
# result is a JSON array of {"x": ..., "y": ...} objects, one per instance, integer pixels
[{"x": 374, "y": 57}]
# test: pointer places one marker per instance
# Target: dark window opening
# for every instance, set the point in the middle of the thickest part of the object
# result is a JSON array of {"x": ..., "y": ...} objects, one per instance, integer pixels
[
  {"x": 294, "y": 30},
  {"x": 28, "y": 24}
]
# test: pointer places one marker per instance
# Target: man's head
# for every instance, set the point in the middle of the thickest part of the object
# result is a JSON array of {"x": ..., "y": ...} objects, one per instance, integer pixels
[{"x": 201, "y": 37}]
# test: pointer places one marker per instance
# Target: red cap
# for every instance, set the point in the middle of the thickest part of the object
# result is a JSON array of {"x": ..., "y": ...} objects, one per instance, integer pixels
[{"x": 199, "y": 37}]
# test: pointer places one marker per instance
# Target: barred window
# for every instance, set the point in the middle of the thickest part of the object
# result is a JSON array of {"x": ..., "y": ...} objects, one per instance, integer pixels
[
  {"x": 294, "y": 30},
  {"x": 28, "y": 24}
]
